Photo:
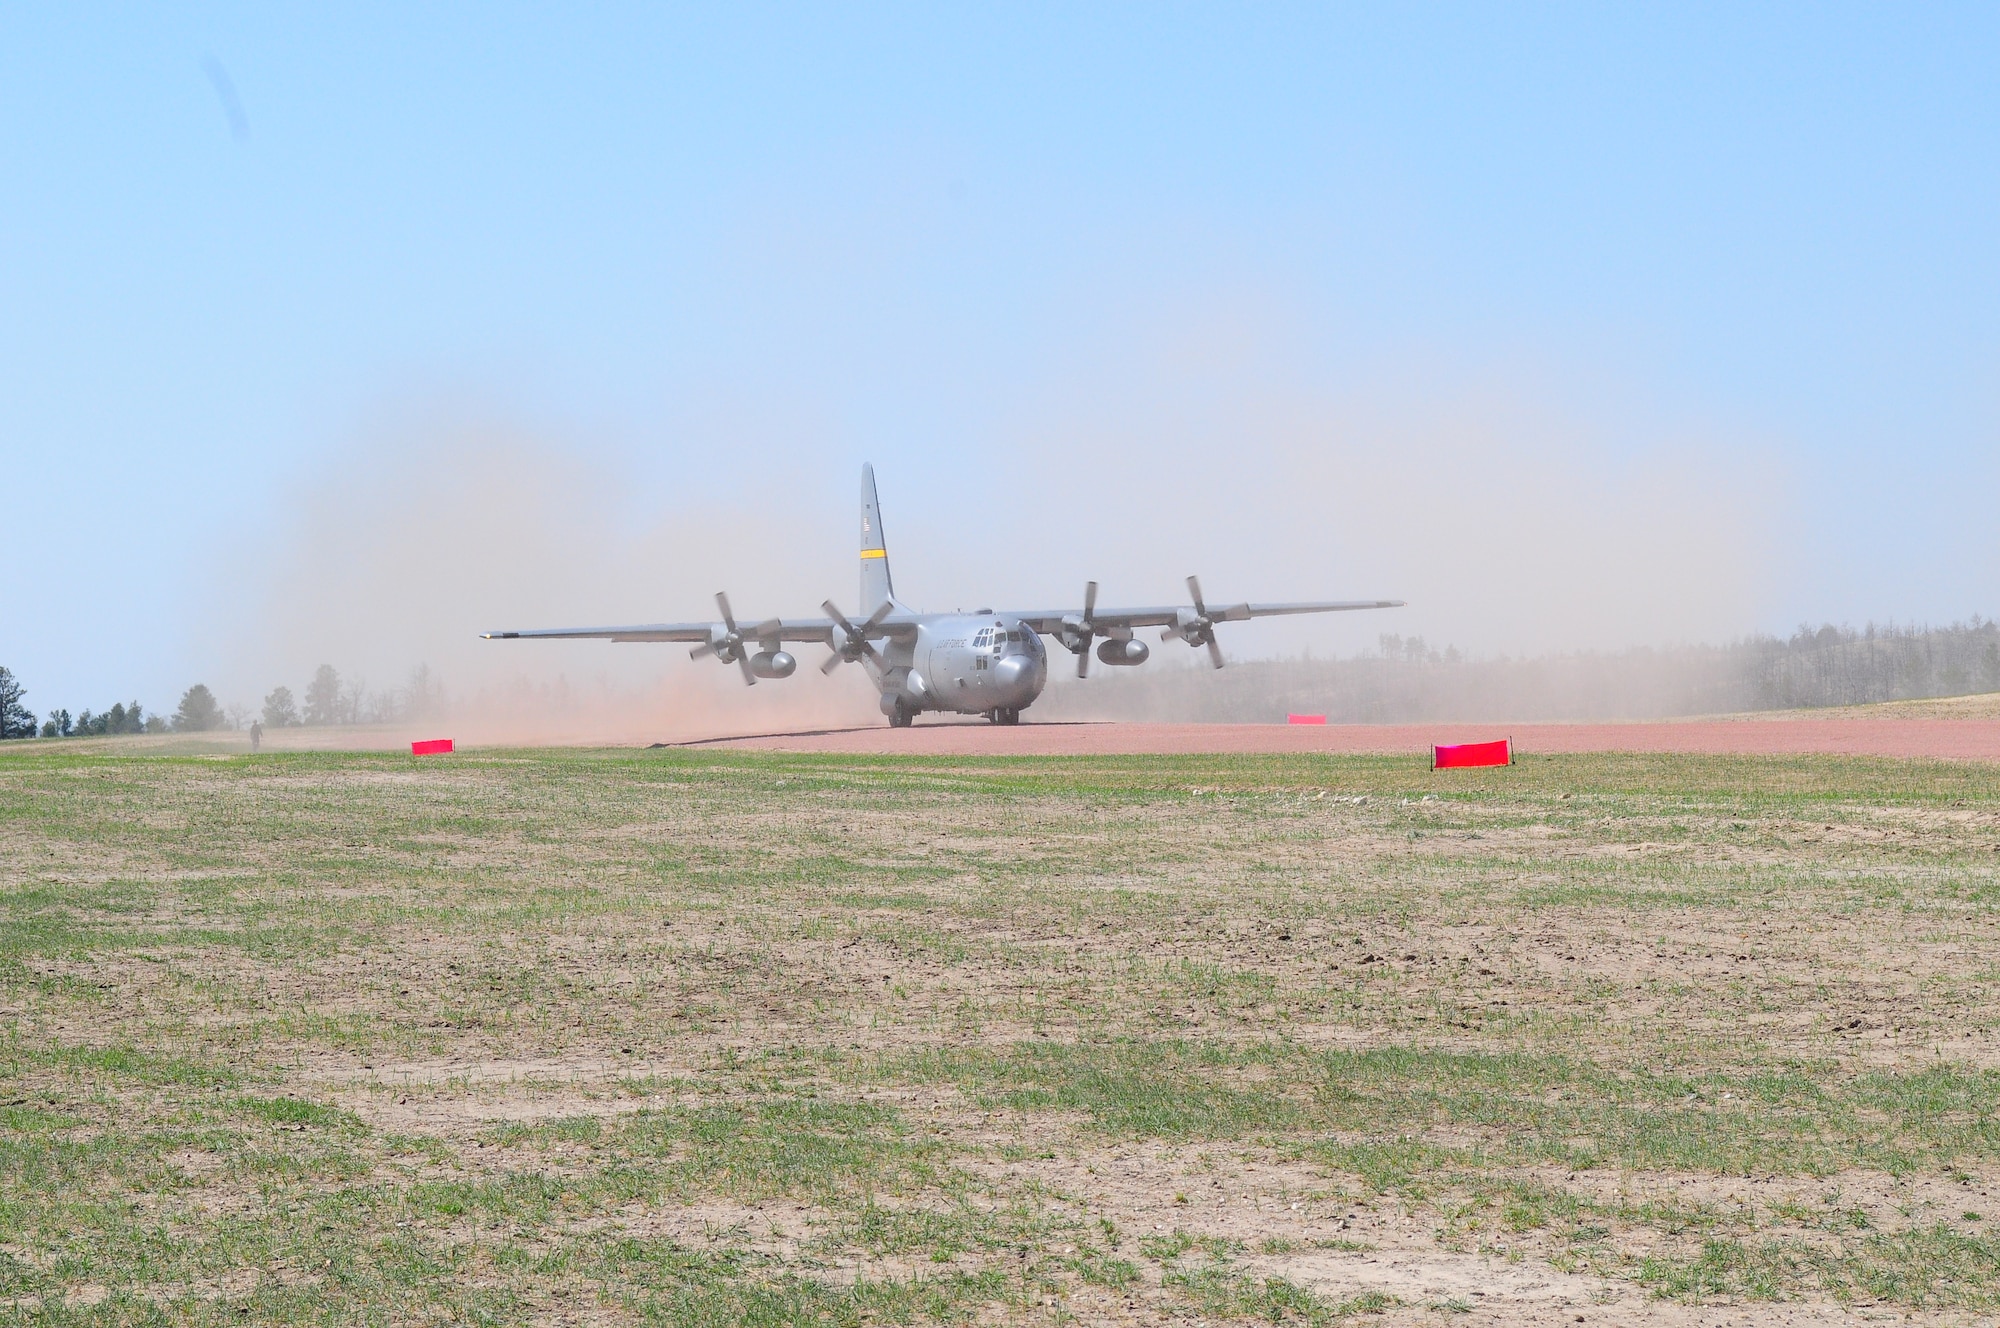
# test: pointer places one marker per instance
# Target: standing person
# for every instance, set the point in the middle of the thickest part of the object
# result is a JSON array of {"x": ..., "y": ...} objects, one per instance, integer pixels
[{"x": 256, "y": 734}]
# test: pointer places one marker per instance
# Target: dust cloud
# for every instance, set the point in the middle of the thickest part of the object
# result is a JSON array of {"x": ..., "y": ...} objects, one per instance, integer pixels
[
  {"x": 1521, "y": 510},
  {"x": 403, "y": 548},
  {"x": 1567, "y": 549}
]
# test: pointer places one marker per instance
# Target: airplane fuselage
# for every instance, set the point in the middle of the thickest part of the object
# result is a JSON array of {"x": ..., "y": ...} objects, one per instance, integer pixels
[{"x": 968, "y": 664}]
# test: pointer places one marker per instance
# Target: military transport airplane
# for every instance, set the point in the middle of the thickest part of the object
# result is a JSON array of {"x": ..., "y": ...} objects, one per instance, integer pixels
[{"x": 983, "y": 663}]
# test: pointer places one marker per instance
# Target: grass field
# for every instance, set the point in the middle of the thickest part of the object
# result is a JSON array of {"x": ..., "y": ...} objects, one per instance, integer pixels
[{"x": 721, "y": 1038}]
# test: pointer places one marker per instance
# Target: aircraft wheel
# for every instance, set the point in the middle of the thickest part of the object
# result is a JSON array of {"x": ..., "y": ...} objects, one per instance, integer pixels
[
  {"x": 901, "y": 717},
  {"x": 1007, "y": 716}
]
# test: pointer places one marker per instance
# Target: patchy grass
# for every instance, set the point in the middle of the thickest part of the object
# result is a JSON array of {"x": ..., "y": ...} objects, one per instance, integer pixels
[{"x": 716, "y": 1037}]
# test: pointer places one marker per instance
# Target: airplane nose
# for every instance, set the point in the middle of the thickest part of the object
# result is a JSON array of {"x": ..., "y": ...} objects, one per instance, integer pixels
[{"x": 1012, "y": 671}]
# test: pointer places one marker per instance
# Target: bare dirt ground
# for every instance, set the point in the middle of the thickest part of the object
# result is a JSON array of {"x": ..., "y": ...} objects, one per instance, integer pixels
[
  {"x": 1962, "y": 728},
  {"x": 1750, "y": 735}
]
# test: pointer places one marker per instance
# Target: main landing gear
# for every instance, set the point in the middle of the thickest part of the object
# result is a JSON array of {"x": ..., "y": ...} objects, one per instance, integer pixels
[{"x": 1004, "y": 715}]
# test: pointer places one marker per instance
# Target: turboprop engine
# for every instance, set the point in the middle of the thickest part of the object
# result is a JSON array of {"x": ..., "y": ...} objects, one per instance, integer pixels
[
  {"x": 773, "y": 664},
  {"x": 1194, "y": 626},
  {"x": 1122, "y": 652},
  {"x": 727, "y": 643}
]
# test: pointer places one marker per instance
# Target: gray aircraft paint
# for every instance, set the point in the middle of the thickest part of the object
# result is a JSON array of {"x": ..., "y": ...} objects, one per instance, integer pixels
[
  {"x": 985, "y": 663},
  {"x": 876, "y": 585}
]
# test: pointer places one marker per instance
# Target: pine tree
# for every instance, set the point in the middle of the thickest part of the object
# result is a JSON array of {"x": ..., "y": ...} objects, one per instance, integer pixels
[
  {"x": 199, "y": 711},
  {"x": 323, "y": 697},
  {"x": 16, "y": 720},
  {"x": 280, "y": 712}
]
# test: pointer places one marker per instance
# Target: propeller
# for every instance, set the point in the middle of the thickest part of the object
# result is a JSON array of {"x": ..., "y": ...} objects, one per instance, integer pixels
[
  {"x": 727, "y": 645},
  {"x": 1195, "y": 626},
  {"x": 1078, "y": 630},
  {"x": 853, "y": 643}
]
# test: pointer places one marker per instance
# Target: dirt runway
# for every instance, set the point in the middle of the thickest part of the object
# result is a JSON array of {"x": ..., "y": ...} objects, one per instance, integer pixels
[{"x": 1949, "y": 739}]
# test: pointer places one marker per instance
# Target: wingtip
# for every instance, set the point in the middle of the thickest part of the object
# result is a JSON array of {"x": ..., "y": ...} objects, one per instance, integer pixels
[{"x": 498, "y": 636}]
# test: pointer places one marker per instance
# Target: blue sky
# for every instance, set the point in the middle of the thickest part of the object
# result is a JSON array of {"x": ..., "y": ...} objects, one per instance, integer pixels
[{"x": 1138, "y": 278}]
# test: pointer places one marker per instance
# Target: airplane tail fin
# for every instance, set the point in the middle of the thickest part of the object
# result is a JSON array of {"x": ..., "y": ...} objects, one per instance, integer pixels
[{"x": 875, "y": 583}]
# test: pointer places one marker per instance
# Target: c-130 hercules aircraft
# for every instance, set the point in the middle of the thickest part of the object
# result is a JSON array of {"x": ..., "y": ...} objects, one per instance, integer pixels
[{"x": 984, "y": 663}]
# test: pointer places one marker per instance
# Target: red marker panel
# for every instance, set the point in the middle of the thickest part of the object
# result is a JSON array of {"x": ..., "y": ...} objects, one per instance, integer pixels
[
  {"x": 1462, "y": 754},
  {"x": 430, "y": 747},
  {"x": 1305, "y": 719}
]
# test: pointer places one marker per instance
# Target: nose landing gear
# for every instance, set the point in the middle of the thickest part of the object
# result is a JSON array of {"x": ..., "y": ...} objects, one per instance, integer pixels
[{"x": 1004, "y": 715}]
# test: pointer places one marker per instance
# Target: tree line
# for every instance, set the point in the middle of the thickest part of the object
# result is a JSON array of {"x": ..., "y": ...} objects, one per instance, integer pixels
[
  {"x": 1401, "y": 680},
  {"x": 1408, "y": 680},
  {"x": 198, "y": 712},
  {"x": 329, "y": 700}
]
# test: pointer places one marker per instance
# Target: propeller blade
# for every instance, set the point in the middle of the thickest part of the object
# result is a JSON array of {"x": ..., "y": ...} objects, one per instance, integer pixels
[
  {"x": 702, "y": 651},
  {"x": 743, "y": 662},
  {"x": 854, "y": 642},
  {"x": 728, "y": 618},
  {"x": 768, "y": 630},
  {"x": 1194, "y": 590},
  {"x": 833, "y": 612},
  {"x": 1214, "y": 650},
  {"x": 1078, "y": 632},
  {"x": 851, "y": 638}
]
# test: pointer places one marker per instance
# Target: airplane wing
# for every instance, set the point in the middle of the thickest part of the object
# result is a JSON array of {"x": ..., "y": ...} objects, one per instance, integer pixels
[
  {"x": 734, "y": 642},
  {"x": 771, "y": 629},
  {"x": 1194, "y": 624},
  {"x": 1050, "y": 621},
  {"x": 774, "y": 629}
]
